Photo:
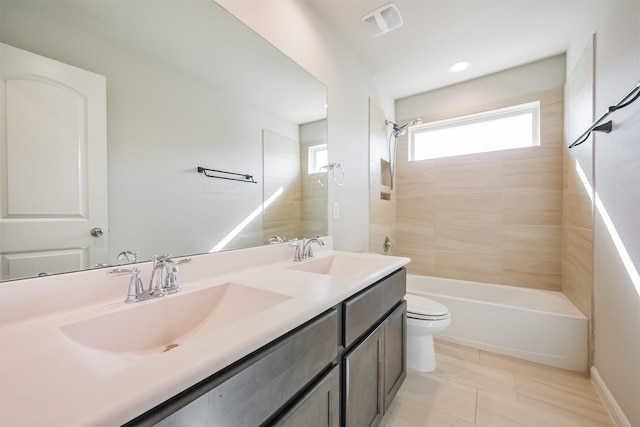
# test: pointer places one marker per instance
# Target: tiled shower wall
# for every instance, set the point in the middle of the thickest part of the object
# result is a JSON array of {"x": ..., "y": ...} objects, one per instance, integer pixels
[
  {"x": 577, "y": 218},
  {"x": 491, "y": 217},
  {"x": 382, "y": 211}
]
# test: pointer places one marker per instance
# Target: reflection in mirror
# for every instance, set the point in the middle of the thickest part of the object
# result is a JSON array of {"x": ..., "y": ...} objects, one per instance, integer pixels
[
  {"x": 295, "y": 199},
  {"x": 186, "y": 85}
]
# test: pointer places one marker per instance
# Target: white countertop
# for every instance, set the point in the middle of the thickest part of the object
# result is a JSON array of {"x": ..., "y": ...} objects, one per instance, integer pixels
[{"x": 44, "y": 383}]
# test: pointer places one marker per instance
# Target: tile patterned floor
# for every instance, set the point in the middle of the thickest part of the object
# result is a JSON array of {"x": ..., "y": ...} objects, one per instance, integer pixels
[{"x": 476, "y": 388}]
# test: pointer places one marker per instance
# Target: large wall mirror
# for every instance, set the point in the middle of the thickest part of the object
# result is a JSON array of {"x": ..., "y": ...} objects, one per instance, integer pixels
[{"x": 179, "y": 84}]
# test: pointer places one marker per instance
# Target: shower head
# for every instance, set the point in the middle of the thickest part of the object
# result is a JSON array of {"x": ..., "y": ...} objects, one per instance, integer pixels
[{"x": 398, "y": 130}]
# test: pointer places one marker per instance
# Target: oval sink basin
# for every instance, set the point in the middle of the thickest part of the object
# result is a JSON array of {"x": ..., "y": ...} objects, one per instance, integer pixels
[
  {"x": 336, "y": 265},
  {"x": 112, "y": 341}
]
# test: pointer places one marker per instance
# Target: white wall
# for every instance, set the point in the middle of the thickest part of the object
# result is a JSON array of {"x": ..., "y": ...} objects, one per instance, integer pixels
[
  {"x": 294, "y": 28},
  {"x": 617, "y": 185}
]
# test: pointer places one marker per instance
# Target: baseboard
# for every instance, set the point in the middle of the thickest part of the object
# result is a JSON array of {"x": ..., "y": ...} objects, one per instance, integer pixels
[{"x": 618, "y": 417}]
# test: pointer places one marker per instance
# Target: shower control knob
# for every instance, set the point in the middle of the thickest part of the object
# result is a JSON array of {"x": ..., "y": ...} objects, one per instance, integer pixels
[{"x": 97, "y": 232}]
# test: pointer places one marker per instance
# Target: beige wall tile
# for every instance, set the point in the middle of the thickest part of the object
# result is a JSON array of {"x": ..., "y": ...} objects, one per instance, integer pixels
[
  {"x": 579, "y": 249},
  {"x": 473, "y": 238},
  {"x": 421, "y": 188},
  {"x": 532, "y": 273},
  {"x": 577, "y": 208},
  {"x": 533, "y": 208},
  {"x": 539, "y": 174},
  {"x": 578, "y": 165},
  {"x": 465, "y": 266},
  {"x": 534, "y": 241},
  {"x": 470, "y": 178},
  {"x": 576, "y": 285},
  {"x": 477, "y": 208},
  {"x": 577, "y": 218},
  {"x": 416, "y": 210},
  {"x": 424, "y": 176}
]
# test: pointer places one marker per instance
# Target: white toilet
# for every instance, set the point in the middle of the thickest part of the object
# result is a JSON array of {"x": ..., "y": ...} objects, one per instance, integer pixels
[{"x": 425, "y": 317}]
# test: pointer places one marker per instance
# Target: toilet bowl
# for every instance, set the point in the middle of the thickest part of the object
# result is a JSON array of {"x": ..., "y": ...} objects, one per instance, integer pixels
[{"x": 425, "y": 318}]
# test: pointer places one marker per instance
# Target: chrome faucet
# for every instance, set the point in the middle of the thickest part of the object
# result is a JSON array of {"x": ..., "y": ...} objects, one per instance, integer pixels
[
  {"x": 303, "y": 248},
  {"x": 136, "y": 290},
  {"x": 157, "y": 263},
  {"x": 159, "y": 284},
  {"x": 272, "y": 240},
  {"x": 297, "y": 256},
  {"x": 307, "y": 253},
  {"x": 171, "y": 281},
  {"x": 167, "y": 283},
  {"x": 127, "y": 257}
]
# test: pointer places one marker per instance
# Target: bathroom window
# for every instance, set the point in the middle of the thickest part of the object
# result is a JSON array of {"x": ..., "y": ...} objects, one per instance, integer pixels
[
  {"x": 512, "y": 127},
  {"x": 318, "y": 157}
]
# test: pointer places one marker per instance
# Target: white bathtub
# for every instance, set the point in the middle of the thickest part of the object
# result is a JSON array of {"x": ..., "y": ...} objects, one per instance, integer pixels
[{"x": 540, "y": 326}]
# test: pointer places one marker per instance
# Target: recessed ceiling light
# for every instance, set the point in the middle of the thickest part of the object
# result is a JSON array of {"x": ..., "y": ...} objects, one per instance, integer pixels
[{"x": 459, "y": 66}]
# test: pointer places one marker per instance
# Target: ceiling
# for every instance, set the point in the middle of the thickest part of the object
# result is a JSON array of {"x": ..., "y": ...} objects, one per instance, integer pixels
[{"x": 494, "y": 34}]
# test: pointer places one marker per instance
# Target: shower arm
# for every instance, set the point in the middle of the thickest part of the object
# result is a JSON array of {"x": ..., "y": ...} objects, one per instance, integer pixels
[{"x": 397, "y": 132}]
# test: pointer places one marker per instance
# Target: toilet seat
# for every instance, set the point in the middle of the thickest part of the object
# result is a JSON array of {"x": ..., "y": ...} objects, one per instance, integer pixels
[{"x": 422, "y": 308}]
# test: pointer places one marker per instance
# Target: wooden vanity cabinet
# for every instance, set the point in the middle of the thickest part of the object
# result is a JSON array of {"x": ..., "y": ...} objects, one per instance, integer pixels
[
  {"x": 375, "y": 365},
  {"x": 343, "y": 367}
]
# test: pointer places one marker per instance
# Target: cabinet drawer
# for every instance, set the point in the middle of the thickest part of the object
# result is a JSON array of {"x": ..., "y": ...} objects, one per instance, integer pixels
[
  {"x": 363, "y": 311},
  {"x": 320, "y": 407},
  {"x": 257, "y": 388}
]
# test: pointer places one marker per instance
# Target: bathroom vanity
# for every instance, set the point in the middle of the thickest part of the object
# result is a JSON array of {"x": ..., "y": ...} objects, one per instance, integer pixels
[{"x": 318, "y": 342}]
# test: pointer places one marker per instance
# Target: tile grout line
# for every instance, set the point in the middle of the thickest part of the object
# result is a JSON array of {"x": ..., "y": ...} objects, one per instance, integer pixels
[{"x": 475, "y": 414}]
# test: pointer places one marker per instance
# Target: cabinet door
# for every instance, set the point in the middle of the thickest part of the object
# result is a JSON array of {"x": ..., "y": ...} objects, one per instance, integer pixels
[
  {"x": 395, "y": 353},
  {"x": 320, "y": 407},
  {"x": 364, "y": 376}
]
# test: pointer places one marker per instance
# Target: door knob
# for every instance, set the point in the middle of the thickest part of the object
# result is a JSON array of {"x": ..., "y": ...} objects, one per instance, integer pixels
[{"x": 96, "y": 232}]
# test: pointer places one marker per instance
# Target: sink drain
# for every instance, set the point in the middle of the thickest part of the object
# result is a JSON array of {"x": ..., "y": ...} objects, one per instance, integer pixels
[{"x": 170, "y": 347}]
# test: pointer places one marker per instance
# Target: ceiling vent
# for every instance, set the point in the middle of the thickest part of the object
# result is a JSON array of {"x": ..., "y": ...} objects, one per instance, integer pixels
[{"x": 382, "y": 20}]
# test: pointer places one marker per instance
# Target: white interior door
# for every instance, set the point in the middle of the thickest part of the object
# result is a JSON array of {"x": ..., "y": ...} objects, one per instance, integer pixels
[{"x": 53, "y": 166}]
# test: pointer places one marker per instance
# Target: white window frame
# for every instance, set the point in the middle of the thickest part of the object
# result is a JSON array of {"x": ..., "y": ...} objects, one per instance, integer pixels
[
  {"x": 313, "y": 166},
  {"x": 532, "y": 108}
]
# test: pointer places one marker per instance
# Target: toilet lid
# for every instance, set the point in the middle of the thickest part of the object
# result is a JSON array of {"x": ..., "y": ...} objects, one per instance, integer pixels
[{"x": 422, "y": 306}]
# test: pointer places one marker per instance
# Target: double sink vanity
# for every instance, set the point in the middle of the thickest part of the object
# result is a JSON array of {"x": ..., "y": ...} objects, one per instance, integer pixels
[{"x": 253, "y": 338}]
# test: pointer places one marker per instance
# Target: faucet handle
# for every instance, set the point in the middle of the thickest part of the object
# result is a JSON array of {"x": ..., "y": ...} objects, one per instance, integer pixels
[
  {"x": 274, "y": 239},
  {"x": 297, "y": 256},
  {"x": 171, "y": 285},
  {"x": 136, "y": 289},
  {"x": 159, "y": 258},
  {"x": 127, "y": 257}
]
